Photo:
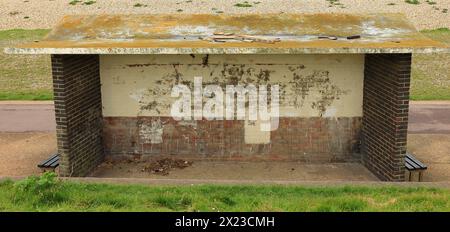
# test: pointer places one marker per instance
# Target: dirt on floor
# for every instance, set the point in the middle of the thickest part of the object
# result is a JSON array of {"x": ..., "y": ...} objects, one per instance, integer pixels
[
  {"x": 21, "y": 152},
  {"x": 434, "y": 151},
  {"x": 431, "y": 149},
  {"x": 159, "y": 167},
  {"x": 237, "y": 170}
]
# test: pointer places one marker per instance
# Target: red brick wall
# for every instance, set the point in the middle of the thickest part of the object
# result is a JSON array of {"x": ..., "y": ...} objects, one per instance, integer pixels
[
  {"x": 78, "y": 110},
  {"x": 385, "y": 114},
  {"x": 305, "y": 139}
]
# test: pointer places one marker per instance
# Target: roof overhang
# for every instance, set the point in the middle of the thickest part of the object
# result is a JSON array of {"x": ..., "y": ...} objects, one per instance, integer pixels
[{"x": 274, "y": 33}]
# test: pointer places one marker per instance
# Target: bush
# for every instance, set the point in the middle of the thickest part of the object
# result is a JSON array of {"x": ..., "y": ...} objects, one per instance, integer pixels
[{"x": 43, "y": 189}]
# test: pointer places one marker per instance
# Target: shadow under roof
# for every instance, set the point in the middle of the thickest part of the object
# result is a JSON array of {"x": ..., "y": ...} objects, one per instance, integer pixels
[{"x": 185, "y": 34}]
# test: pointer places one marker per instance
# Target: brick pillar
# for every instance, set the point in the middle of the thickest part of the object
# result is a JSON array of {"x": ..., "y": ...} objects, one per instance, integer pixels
[
  {"x": 385, "y": 114},
  {"x": 78, "y": 110}
]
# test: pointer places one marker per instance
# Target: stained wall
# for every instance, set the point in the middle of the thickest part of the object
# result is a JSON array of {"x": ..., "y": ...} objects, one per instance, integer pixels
[{"x": 320, "y": 106}]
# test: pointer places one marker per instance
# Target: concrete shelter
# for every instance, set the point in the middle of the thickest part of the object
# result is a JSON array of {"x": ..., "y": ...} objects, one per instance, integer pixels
[{"x": 344, "y": 83}]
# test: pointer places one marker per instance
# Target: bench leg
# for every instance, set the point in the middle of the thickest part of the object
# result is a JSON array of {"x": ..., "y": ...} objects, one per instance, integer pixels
[{"x": 47, "y": 170}]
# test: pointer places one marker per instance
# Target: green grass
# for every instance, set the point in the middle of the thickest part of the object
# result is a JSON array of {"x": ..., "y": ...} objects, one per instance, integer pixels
[
  {"x": 41, "y": 95},
  {"x": 243, "y": 4},
  {"x": 24, "y": 77},
  {"x": 430, "y": 73},
  {"x": 140, "y": 5},
  {"x": 21, "y": 34},
  {"x": 440, "y": 34},
  {"x": 89, "y": 2},
  {"x": 43, "y": 194},
  {"x": 28, "y": 77},
  {"x": 74, "y": 2},
  {"x": 414, "y": 2}
]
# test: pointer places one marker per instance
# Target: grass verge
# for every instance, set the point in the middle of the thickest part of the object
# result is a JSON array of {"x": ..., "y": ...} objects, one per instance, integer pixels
[
  {"x": 35, "y": 95},
  {"x": 28, "y": 77},
  {"x": 24, "y": 77},
  {"x": 48, "y": 194},
  {"x": 430, "y": 72}
]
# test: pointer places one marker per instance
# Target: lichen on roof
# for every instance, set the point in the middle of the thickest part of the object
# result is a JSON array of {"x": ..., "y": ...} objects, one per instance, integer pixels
[{"x": 182, "y": 33}]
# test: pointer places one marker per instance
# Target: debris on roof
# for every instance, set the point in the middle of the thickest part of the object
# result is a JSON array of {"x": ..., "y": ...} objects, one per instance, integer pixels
[{"x": 245, "y": 33}]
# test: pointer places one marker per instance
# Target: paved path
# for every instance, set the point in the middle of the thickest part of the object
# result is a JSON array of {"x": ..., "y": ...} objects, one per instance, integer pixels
[
  {"x": 429, "y": 118},
  {"x": 27, "y": 116},
  {"x": 425, "y": 117}
]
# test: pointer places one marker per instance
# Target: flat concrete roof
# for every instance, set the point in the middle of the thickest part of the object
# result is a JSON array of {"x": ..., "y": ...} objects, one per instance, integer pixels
[{"x": 232, "y": 34}]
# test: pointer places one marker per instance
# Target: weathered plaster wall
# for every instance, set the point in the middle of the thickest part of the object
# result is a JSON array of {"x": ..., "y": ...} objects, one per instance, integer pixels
[
  {"x": 320, "y": 106},
  {"x": 310, "y": 85}
]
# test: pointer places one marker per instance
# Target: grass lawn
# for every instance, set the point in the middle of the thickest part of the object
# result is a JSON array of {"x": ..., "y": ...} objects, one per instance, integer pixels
[
  {"x": 24, "y": 77},
  {"x": 431, "y": 73},
  {"x": 47, "y": 194},
  {"x": 28, "y": 77}
]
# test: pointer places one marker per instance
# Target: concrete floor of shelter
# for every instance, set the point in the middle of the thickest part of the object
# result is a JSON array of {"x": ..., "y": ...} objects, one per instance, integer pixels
[{"x": 238, "y": 170}]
